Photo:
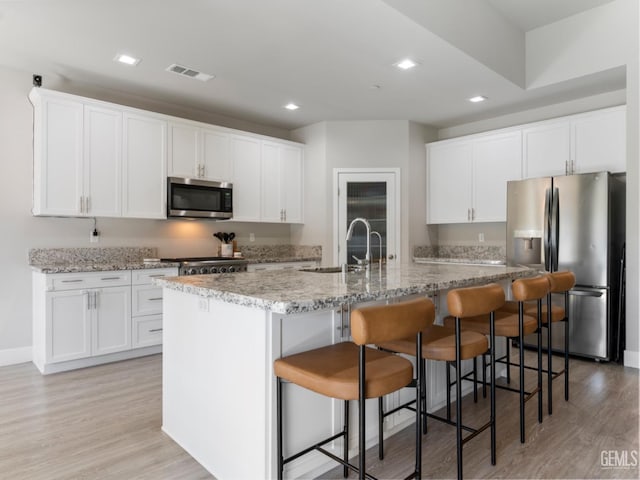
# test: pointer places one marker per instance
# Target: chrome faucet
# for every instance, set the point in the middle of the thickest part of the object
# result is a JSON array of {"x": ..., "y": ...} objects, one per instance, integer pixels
[
  {"x": 379, "y": 248},
  {"x": 367, "y": 258}
]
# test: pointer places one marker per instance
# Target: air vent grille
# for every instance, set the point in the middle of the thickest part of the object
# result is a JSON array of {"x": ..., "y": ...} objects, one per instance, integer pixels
[{"x": 189, "y": 72}]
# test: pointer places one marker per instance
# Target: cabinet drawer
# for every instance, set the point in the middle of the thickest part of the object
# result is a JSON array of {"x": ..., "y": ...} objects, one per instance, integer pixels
[
  {"x": 147, "y": 331},
  {"x": 140, "y": 277},
  {"x": 146, "y": 300},
  {"x": 74, "y": 281}
]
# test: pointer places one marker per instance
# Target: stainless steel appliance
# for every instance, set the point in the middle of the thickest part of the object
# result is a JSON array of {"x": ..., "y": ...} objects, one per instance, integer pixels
[
  {"x": 577, "y": 223},
  {"x": 205, "y": 265},
  {"x": 188, "y": 197}
]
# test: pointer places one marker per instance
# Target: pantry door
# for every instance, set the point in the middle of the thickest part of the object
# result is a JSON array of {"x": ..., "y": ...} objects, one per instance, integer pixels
[{"x": 372, "y": 194}]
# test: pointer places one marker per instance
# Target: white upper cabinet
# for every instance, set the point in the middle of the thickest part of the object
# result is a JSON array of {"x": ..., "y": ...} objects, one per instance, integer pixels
[
  {"x": 144, "y": 167},
  {"x": 547, "y": 149},
  {"x": 600, "y": 141},
  {"x": 216, "y": 160},
  {"x": 103, "y": 162},
  {"x": 246, "y": 155},
  {"x": 467, "y": 179},
  {"x": 281, "y": 183},
  {"x": 58, "y": 156},
  {"x": 496, "y": 160},
  {"x": 589, "y": 142},
  {"x": 449, "y": 182},
  {"x": 77, "y": 151},
  {"x": 184, "y": 154},
  {"x": 199, "y": 152}
]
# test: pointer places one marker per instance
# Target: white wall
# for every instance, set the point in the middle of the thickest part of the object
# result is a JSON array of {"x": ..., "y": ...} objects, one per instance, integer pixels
[
  {"x": 593, "y": 41},
  {"x": 21, "y": 231},
  {"x": 364, "y": 144}
]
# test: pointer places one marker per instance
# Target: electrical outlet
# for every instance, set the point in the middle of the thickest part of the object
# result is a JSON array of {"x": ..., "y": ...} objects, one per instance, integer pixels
[
  {"x": 481, "y": 237},
  {"x": 203, "y": 304},
  {"x": 94, "y": 237},
  {"x": 252, "y": 237}
]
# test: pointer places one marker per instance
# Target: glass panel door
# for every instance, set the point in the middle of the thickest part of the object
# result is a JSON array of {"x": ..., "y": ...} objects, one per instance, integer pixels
[{"x": 370, "y": 196}]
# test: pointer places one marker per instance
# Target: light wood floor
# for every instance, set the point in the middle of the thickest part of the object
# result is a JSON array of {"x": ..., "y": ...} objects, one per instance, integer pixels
[{"x": 104, "y": 423}]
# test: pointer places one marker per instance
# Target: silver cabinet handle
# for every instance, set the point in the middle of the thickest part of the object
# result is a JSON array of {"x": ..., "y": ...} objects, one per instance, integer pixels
[
  {"x": 95, "y": 300},
  {"x": 155, "y": 299},
  {"x": 110, "y": 278},
  {"x": 87, "y": 204},
  {"x": 285, "y": 214},
  {"x": 473, "y": 214},
  {"x": 153, "y": 330},
  {"x": 73, "y": 281},
  {"x": 260, "y": 269},
  {"x": 468, "y": 214},
  {"x": 158, "y": 275}
]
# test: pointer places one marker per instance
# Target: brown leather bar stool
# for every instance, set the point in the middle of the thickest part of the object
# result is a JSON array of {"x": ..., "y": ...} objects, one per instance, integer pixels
[
  {"x": 353, "y": 371},
  {"x": 452, "y": 345},
  {"x": 516, "y": 325},
  {"x": 560, "y": 284}
]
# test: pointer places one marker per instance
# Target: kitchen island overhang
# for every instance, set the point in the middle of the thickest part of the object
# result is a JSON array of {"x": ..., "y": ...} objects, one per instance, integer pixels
[{"x": 222, "y": 333}]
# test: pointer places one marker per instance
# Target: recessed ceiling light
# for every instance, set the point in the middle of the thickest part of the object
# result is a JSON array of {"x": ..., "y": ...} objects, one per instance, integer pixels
[
  {"x": 127, "y": 59},
  {"x": 406, "y": 64},
  {"x": 291, "y": 106},
  {"x": 477, "y": 98}
]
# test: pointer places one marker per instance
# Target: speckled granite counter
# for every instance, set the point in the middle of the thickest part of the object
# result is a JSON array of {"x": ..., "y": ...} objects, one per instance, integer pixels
[
  {"x": 282, "y": 253},
  {"x": 298, "y": 291},
  {"x": 99, "y": 259}
]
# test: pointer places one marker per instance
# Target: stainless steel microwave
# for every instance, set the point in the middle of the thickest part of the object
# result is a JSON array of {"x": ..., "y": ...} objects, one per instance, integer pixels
[{"x": 195, "y": 198}]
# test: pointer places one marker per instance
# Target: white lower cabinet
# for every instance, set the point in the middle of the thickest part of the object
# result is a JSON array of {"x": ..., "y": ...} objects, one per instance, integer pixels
[{"x": 84, "y": 319}]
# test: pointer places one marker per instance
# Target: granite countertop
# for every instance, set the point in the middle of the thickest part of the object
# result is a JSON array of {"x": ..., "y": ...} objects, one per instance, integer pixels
[
  {"x": 283, "y": 259},
  {"x": 298, "y": 291},
  {"x": 463, "y": 261},
  {"x": 70, "y": 267}
]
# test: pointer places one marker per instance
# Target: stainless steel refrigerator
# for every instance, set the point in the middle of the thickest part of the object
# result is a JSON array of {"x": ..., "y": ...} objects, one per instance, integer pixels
[{"x": 576, "y": 223}]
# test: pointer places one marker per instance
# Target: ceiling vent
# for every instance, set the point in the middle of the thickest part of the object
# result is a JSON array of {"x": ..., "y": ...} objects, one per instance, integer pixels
[{"x": 189, "y": 72}]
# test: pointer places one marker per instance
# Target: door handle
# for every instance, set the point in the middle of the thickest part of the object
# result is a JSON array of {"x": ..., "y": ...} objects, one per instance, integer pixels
[
  {"x": 555, "y": 230},
  {"x": 585, "y": 293},
  {"x": 547, "y": 227},
  {"x": 391, "y": 256}
]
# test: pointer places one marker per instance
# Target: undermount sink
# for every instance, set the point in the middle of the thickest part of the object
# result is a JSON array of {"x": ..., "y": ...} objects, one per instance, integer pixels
[{"x": 350, "y": 268}]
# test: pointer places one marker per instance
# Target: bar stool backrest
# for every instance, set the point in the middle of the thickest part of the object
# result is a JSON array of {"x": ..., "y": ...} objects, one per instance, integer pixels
[
  {"x": 562, "y": 281},
  {"x": 387, "y": 323},
  {"x": 525, "y": 289},
  {"x": 473, "y": 301}
]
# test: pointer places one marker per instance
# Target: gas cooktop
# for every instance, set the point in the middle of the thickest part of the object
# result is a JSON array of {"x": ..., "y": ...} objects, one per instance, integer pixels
[{"x": 205, "y": 265}]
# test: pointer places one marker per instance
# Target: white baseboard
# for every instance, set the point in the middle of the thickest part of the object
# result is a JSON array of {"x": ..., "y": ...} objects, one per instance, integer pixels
[
  {"x": 631, "y": 359},
  {"x": 12, "y": 356}
]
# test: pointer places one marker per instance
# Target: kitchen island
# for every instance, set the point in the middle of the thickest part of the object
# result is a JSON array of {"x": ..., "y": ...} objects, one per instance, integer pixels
[{"x": 222, "y": 333}]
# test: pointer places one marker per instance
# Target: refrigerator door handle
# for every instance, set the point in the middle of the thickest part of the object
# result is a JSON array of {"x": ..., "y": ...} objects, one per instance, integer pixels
[
  {"x": 545, "y": 250},
  {"x": 586, "y": 293},
  {"x": 555, "y": 231}
]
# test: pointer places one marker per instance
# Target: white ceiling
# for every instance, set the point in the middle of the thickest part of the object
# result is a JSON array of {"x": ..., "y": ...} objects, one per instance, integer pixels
[
  {"x": 530, "y": 14},
  {"x": 333, "y": 57}
]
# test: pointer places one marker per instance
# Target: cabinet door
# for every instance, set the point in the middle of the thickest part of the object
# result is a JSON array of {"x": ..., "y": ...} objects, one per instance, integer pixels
[
  {"x": 599, "y": 142},
  {"x": 216, "y": 156},
  {"x": 102, "y": 161},
  {"x": 547, "y": 149},
  {"x": 449, "y": 182},
  {"x": 246, "y": 182},
  {"x": 183, "y": 158},
  {"x": 496, "y": 160},
  {"x": 291, "y": 184},
  {"x": 272, "y": 208},
  {"x": 58, "y": 157},
  {"x": 68, "y": 325},
  {"x": 111, "y": 320},
  {"x": 144, "y": 167}
]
